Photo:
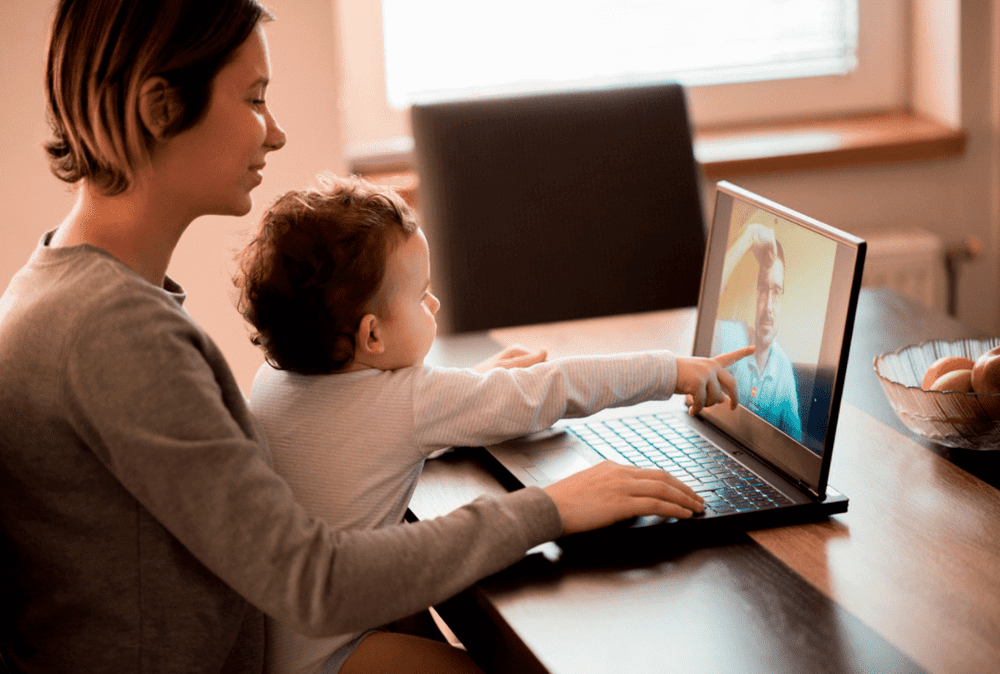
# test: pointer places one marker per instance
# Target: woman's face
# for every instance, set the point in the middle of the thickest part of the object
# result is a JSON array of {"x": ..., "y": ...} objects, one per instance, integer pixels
[{"x": 213, "y": 166}]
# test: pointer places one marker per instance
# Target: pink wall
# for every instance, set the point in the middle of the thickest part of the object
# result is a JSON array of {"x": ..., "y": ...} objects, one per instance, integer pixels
[{"x": 303, "y": 95}]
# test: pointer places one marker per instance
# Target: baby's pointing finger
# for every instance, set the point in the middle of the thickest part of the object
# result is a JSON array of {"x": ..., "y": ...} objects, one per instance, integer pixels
[{"x": 727, "y": 359}]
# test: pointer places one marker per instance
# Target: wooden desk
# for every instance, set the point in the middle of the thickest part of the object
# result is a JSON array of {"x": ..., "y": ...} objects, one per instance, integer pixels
[{"x": 907, "y": 580}]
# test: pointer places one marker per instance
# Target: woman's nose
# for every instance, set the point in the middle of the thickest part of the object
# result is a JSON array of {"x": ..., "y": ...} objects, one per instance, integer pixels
[{"x": 276, "y": 138}]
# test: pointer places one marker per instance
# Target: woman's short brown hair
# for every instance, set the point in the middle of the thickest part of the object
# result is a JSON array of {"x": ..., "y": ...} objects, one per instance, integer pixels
[
  {"x": 101, "y": 52},
  {"x": 314, "y": 268}
]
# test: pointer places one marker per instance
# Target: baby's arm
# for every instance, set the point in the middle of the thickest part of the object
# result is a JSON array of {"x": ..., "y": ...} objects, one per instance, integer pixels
[
  {"x": 454, "y": 407},
  {"x": 706, "y": 382}
]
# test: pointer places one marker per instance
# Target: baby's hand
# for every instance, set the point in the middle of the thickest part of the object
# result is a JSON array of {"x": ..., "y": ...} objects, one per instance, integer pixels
[
  {"x": 706, "y": 382},
  {"x": 511, "y": 357}
]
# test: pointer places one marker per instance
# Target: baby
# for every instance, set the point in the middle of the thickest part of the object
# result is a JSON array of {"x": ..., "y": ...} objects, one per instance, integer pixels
[{"x": 337, "y": 286}]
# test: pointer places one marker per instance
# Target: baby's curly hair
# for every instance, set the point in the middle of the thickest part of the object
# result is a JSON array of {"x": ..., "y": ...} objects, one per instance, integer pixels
[{"x": 313, "y": 269}]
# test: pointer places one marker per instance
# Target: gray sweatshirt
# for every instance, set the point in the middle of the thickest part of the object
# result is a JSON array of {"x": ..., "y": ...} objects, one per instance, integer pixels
[{"x": 144, "y": 529}]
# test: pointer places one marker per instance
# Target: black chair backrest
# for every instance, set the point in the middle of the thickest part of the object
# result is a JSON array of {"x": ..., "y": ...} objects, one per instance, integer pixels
[{"x": 560, "y": 206}]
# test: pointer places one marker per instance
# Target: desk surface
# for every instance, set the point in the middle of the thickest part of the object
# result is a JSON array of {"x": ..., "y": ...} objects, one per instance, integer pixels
[{"x": 907, "y": 580}]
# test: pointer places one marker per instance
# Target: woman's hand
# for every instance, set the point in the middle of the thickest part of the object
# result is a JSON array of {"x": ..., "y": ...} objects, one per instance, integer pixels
[
  {"x": 511, "y": 357},
  {"x": 706, "y": 382},
  {"x": 608, "y": 492}
]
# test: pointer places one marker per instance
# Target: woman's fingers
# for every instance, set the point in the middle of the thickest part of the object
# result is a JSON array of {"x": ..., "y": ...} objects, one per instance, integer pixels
[
  {"x": 668, "y": 496},
  {"x": 609, "y": 492},
  {"x": 658, "y": 475}
]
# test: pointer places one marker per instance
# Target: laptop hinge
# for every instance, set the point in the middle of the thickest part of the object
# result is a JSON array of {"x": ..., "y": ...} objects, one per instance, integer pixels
[{"x": 807, "y": 488}]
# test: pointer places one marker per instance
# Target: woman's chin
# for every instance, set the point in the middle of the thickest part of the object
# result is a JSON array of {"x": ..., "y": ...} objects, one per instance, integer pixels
[{"x": 236, "y": 207}]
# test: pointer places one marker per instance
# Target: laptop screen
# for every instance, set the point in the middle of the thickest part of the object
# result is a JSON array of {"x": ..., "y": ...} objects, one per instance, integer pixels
[{"x": 788, "y": 284}]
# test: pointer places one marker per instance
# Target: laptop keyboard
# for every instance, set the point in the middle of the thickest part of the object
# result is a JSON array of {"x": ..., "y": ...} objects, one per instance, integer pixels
[{"x": 662, "y": 441}]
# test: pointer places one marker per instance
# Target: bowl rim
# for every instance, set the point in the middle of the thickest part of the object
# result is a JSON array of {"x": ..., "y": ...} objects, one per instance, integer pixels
[{"x": 896, "y": 352}]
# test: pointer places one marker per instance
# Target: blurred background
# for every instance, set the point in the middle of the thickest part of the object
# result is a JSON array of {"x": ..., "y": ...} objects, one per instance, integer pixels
[{"x": 933, "y": 59}]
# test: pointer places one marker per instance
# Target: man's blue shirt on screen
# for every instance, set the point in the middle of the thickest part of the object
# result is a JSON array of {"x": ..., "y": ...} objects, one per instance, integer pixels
[{"x": 771, "y": 394}]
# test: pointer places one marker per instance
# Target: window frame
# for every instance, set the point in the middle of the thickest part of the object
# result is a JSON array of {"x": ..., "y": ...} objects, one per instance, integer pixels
[{"x": 880, "y": 84}]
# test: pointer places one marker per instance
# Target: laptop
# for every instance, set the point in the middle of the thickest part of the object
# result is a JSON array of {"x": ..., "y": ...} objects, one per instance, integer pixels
[{"x": 771, "y": 276}]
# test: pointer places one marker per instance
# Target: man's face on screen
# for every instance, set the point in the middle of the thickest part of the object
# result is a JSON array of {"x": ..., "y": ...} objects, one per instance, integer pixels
[{"x": 770, "y": 293}]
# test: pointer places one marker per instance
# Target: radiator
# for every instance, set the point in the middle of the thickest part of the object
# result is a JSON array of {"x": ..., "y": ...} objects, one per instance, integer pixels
[{"x": 911, "y": 261}]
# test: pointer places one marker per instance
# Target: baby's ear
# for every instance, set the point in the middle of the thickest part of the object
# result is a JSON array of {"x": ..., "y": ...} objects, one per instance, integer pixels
[
  {"x": 368, "y": 341},
  {"x": 159, "y": 106}
]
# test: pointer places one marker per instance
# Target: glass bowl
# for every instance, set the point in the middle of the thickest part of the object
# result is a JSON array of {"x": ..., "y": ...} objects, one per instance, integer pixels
[{"x": 951, "y": 418}]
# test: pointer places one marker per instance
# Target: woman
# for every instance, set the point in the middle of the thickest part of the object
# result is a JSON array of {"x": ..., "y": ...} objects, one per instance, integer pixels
[{"x": 145, "y": 530}]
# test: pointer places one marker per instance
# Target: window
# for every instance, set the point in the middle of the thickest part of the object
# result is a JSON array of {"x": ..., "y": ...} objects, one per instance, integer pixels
[
  {"x": 838, "y": 57},
  {"x": 439, "y": 49}
]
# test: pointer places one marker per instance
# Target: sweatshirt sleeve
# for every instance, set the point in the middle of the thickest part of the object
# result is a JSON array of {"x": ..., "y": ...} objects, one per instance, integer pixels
[
  {"x": 463, "y": 407},
  {"x": 151, "y": 397}
]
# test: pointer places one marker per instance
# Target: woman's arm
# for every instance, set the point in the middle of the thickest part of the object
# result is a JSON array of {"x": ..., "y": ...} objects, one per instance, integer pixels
[{"x": 152, "y": 398}]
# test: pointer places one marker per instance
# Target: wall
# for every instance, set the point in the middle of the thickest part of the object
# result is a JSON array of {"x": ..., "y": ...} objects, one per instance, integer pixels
[
  {"x": 953, "y": 198},
  {"x": 305, "y": 62},
  {"x": 367, "y": 116}
]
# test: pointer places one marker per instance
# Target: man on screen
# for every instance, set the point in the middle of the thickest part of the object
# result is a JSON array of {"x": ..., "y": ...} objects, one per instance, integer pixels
[{"x": 766, "y": 379}]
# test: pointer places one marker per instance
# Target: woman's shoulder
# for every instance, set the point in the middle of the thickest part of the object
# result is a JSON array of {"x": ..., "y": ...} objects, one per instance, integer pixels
[
  {"x": 92, "y": 285},
  {"x": 86, "y": 298}
]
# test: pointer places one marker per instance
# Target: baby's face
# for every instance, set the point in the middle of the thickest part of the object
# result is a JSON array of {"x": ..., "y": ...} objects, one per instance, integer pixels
[{"x": 408, "y": 325}]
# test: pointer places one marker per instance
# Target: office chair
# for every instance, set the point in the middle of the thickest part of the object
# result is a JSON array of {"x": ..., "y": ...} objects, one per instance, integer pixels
[{"x": 559, "y": 206}]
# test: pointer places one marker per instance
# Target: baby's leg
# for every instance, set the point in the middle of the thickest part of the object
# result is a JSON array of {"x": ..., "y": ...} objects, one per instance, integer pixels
[{"x": 407, "y": 654}]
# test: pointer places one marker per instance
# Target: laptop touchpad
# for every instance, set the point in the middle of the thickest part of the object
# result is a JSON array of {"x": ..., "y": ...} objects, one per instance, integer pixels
[{"x": 548, "y": 456}]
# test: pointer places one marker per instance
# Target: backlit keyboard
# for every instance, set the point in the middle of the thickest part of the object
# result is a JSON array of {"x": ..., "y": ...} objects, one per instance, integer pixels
[{"x": 662, "y": 441}]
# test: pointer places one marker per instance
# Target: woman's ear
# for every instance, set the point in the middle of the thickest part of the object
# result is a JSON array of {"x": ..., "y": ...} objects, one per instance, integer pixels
[
  {"x": 159, "y": 106},
  {"x": 368, "y": 341}
]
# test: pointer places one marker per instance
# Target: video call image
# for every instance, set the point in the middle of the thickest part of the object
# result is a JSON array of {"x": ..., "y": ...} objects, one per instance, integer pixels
[{"x": 775, "y": 290}]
